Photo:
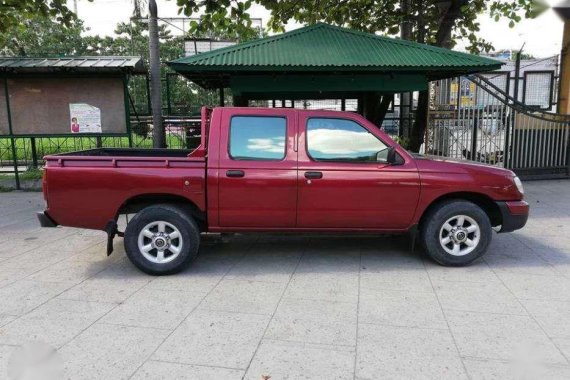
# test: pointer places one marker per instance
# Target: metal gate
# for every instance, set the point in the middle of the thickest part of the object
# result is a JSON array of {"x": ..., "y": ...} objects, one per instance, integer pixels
[{"x": 474, "y": 118}]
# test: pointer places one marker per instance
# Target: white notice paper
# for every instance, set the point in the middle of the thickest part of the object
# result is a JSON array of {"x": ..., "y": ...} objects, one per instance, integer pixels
[{"x": 84, "y": 118}]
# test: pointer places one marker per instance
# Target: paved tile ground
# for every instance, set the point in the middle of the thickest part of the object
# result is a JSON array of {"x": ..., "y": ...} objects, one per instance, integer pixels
[{"x": 310, "y": 307}]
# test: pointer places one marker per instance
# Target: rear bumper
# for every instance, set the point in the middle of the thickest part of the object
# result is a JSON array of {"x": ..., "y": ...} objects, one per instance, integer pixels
[
  {"x": 514, "y": 215},
  {"x": 46, "y": 220}
]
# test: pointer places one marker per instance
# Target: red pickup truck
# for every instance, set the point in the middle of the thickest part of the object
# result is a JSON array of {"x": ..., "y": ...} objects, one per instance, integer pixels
[{"x": 287, "y": 170}]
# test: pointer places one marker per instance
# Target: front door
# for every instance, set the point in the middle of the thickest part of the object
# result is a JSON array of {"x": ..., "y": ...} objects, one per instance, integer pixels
[
  {"x": 257, "y": 174},
  {"x": 344, "y": 179}
]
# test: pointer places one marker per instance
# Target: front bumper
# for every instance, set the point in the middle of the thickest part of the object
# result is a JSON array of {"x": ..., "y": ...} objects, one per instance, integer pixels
[
  {"x": 514, "y": 215},
  {"x": 46, "y": 220}
]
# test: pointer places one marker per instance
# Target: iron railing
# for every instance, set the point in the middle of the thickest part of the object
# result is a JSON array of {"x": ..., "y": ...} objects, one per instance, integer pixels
[{"x": 485, "y": 124}]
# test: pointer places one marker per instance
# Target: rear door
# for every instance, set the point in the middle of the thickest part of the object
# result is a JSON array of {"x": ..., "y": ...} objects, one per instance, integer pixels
[
  {"x": 257, "y": 176},
  {"x": 344, "y": 179}
]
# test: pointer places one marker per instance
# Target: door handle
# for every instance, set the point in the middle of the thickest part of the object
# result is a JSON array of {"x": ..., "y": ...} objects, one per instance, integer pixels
[
  {"x": 313, "y": 175},
  {"x": 235, "y": 173}
]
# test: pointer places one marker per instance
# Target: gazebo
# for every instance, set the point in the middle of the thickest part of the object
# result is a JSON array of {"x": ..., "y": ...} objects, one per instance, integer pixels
[{"x": 322, "y": 61}]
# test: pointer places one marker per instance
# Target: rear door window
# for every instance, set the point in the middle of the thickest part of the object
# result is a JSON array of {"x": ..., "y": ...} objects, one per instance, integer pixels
[{"x": 257, "y": 138}]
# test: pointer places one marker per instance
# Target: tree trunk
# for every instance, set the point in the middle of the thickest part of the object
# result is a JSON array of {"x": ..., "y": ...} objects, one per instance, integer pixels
[{"x": 159, "y": 138}]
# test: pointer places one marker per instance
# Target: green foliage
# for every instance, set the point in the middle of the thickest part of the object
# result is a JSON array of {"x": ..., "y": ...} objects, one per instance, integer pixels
[
  {"x": 32, "y": 173},
  {"x": 435, "y": 22},
  {"x": 29, "y": 174},
  {"x": 12, "y": 12},
  {"x": 131, "y": 38},
  {"x": 223, "y": 18},
  {"x": 41, "y": 36}
]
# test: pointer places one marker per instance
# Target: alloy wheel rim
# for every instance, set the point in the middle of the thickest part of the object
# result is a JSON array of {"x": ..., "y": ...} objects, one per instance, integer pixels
[
  {"x": 459, "y": 235},
  {"x": 160, "y": 242}
]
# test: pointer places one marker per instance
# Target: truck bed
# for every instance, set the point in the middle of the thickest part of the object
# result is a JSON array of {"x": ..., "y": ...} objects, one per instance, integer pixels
[
  {"x": 127, "y": 152},
  {"x": 98, "y": 182},
  {"x": 126, "y": 157}
]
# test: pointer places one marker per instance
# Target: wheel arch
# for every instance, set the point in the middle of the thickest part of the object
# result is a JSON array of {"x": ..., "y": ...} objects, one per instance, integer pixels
[
  {"x": 141, "y": 201},
  {"x": 483, "y": 201}
]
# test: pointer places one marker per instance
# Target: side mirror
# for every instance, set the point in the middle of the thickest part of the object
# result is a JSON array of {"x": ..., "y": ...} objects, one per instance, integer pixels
[{"x": 392, "y": 157}]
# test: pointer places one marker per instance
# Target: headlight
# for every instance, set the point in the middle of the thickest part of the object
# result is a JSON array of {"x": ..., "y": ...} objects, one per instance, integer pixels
[{"x": 519, "y": 185}]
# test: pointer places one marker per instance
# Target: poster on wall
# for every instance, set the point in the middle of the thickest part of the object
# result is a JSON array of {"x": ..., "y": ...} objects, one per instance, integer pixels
[
  {"x": 467, "y": 93},
  {"x": 84, "y": 118}
]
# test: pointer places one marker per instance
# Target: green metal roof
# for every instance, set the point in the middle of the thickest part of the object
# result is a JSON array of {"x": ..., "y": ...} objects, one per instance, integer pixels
[
  {"x": 112, "y": 64},
  {"x": 325, "y": 48}
]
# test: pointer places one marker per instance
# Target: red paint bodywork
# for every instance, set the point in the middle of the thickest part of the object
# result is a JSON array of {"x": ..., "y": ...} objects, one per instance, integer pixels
[{"x": 88, "y": 191}]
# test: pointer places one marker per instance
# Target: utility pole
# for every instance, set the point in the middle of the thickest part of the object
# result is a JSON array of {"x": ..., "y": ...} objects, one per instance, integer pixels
[
  {"x": 563, "y": 11},
  {"x": 75, "y": 7},
  {"x": 405, "y": 97},
  {"x": 159, "y": 139},
  {"x": 517, "y": 75}
]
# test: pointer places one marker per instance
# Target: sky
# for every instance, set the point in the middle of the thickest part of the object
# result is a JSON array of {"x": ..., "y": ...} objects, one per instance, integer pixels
[{"x": 542, "y": 36}]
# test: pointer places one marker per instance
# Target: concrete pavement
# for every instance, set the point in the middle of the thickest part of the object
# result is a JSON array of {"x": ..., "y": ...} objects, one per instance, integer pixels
[{"x": 289, "y": 307}]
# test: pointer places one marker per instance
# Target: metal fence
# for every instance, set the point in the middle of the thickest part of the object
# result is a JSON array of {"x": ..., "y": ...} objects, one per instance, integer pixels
[
  {"x": 483, "y": 123},
  {"x": 181, "y": 133}
]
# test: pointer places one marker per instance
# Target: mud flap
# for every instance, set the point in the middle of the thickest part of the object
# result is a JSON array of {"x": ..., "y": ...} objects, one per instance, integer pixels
[{"x": 112, "y": 230}]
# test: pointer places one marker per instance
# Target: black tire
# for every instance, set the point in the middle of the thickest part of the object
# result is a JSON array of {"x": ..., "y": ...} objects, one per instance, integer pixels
[
  {"x": 175, "y": 216},
  {"x": 433, "y": 224}
]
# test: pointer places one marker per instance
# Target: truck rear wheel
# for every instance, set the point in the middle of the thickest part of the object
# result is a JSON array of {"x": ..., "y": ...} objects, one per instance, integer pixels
[
  {"x": 455, "y": 233},
  {"x": 161, "y": 239}
]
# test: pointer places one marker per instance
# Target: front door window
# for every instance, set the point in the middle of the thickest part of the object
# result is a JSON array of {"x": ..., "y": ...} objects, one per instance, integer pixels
[{"x": 341, "y": 140}]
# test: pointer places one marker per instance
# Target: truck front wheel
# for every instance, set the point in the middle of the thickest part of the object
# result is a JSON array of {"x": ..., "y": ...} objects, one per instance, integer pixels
[
  {"x": 455, "y": 233},
  {"x": 161, "y": 239}
]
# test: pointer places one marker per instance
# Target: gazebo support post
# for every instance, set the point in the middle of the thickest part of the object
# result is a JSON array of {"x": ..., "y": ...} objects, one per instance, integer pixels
[
  {"x": 375, "y": 105},
  {"x": 240, "y": 101},
  {"x": 221, "y": 97}
]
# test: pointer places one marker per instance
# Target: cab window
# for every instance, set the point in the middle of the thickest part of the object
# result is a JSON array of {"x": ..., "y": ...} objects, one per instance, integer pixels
[
  {"x": 257, "y": 138},
  {"x": 343, "y": 140}
]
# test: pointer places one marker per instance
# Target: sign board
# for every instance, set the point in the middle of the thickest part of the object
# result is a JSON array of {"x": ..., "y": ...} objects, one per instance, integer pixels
[
  {"x": 204, "y": 45},
  {"x": 48, "y": 105}
]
